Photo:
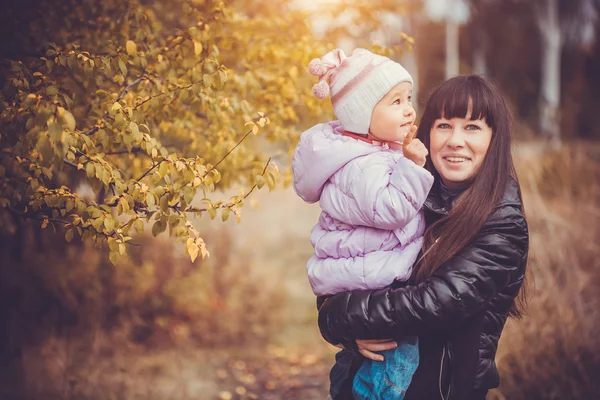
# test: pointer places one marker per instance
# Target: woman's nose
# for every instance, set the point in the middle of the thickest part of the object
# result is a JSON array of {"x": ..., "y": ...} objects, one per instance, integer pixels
[{"x": 457, "y": 138}]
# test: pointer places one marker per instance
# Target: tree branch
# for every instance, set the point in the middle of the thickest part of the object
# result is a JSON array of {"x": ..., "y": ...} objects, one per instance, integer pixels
[
  {"x": 36, "y": 217},
  {"x": 228, "y": 153},
  {"x": 197, "y": 210},
  {"x": 123, "y": 92},
  {"x": 150, "y": 170},
  {"x": 165, "y": 93},
  {"x": 132, "y": 151}
]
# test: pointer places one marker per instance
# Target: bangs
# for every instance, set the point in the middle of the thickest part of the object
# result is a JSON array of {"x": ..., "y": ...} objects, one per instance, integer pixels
[{"x": 456, "y": 98}]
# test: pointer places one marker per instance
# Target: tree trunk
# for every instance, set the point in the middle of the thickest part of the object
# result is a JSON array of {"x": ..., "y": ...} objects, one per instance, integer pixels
[
  {"x": 479, "y": 56},
  {"x": 409, "y": 59},
  {"x": 452, "y": 56},
  {"x": 551, "y": 42}
]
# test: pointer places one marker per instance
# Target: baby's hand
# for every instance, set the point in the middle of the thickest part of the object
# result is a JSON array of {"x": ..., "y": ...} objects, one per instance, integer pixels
[{"x": 414, "y": 149}]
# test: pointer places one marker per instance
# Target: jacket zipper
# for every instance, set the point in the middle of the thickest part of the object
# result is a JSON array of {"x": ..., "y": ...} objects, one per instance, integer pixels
[
  {"x": 447, "y": 395},
  {"x": 450, "y": 363},
  {"x": 441, "y": 372}
]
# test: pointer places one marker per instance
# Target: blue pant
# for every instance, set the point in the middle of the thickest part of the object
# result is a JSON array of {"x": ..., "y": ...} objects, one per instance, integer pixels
[{"x": 388, "y": 380}]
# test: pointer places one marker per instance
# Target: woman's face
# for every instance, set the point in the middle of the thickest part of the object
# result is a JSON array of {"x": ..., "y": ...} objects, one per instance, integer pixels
[{"x": 458, "y": 147}]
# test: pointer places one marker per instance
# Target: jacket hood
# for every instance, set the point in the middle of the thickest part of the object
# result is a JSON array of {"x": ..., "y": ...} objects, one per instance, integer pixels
[{"x": 321, "y": 152}]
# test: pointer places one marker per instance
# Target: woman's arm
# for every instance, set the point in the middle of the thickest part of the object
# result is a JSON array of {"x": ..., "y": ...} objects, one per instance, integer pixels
[{"x": 461, "y": 287}]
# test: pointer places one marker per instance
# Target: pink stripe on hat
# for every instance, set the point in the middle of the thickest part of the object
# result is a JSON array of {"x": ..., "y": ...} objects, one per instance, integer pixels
[{"x": 354, "y": 82}]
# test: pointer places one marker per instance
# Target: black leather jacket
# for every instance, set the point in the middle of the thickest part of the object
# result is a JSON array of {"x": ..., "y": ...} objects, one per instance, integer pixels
[{"x": 458, "y": 314}]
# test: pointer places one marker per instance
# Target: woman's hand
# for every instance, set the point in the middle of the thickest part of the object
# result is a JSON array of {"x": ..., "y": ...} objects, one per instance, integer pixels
[{"x": 368, "y": 347}]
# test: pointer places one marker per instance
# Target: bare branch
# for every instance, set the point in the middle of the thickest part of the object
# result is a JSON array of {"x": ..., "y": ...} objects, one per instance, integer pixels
[
  {"x": 228, "y": 153},
  {"x": 132, "y": 151},
  {"x": 150, "y": 170},
  {"x": 165, "y": 93}
]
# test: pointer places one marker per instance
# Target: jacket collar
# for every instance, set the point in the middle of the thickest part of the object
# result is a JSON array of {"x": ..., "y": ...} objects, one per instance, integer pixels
[{"x": 436, "y": 204}]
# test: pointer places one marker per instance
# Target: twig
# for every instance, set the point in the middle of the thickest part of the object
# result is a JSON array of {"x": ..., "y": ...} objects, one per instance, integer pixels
[
  {"x": 150, "y": 170},
  {"x": 132, "y": 151},
  {"x": 228, "y": 153},
  {"x": 196, "y": 210},
  {"x": 35, "y": 217},
  {"x": 165, "y": 93},
  {"x": 125, "y": 89}
]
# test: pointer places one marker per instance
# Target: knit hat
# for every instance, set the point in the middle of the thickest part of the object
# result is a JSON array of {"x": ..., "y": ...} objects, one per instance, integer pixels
[{"x": 356, "y": 84}]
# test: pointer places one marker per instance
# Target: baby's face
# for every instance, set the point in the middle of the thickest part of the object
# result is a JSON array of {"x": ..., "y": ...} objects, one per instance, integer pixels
[{"x": 394, "y": 115}]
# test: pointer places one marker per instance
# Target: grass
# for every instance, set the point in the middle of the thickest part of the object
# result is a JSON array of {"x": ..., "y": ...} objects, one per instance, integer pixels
[{"x": 243, "y": 325}]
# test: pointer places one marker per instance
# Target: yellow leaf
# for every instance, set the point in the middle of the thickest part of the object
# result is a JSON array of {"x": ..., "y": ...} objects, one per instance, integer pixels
[
  {"x": 225, "y": 395},
  {"x": 66, "y": 117},
  {"x": 197, "y": 47},
  {"x": 293, "y": 72},
  {"x": 116, "y": 106},
  {"x": 131, "y": 48},
  {"x": 194, "y": 251},
  {"x": 254, "y": 130},
  {"x": 260, "y": 181}
]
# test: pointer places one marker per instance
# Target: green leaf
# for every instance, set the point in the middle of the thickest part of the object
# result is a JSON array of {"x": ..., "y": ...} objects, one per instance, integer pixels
[
  {"x": 69, "y": 235},
  {"x": 109, "y": 223},
  {"x": 164, "y": 203},
  {"x": 122, "y": 67},
  {"x": 150, "y": 200},
  {"x": 159, "y": 227},
  {"x": 90, "y": 170},
  {"x": 212, "y": 212},
  {"x": 113, "y": 257},
  {"x": 225, "y": 214}
]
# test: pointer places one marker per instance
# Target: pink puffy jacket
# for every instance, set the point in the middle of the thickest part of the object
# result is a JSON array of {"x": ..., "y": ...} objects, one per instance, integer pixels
[{"x": 371, "y": 228}]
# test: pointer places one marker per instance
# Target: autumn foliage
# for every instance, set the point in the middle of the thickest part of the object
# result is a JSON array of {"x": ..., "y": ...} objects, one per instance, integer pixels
[{"x": 155, "y": 106}]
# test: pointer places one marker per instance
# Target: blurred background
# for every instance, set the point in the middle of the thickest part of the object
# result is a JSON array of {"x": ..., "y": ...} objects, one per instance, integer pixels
[{"x": 157, "y": 323}]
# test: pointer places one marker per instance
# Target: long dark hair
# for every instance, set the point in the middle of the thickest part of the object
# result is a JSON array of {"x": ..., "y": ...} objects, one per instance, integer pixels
[{"x": 451, "y": 233}]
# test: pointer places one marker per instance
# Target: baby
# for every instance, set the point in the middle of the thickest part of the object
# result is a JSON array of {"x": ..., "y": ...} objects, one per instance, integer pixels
[{"x": 366, "y": 171}]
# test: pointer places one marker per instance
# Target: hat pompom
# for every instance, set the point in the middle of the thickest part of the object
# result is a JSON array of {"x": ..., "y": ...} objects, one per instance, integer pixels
[
  {"x": 315, "y": 67},
  {"x": 321, "y": 89}
]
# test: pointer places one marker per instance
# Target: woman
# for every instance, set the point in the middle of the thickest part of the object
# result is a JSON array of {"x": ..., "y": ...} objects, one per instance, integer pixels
[{"x": 469, "y": 276}]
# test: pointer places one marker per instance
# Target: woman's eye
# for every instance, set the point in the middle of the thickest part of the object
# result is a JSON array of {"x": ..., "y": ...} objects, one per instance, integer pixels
[
  {"x": 410, "y": 99},
  {"x": 443, "y": 125},
  {"x": 397, "y": 101},
  {"x": 472, "y": 127}
]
